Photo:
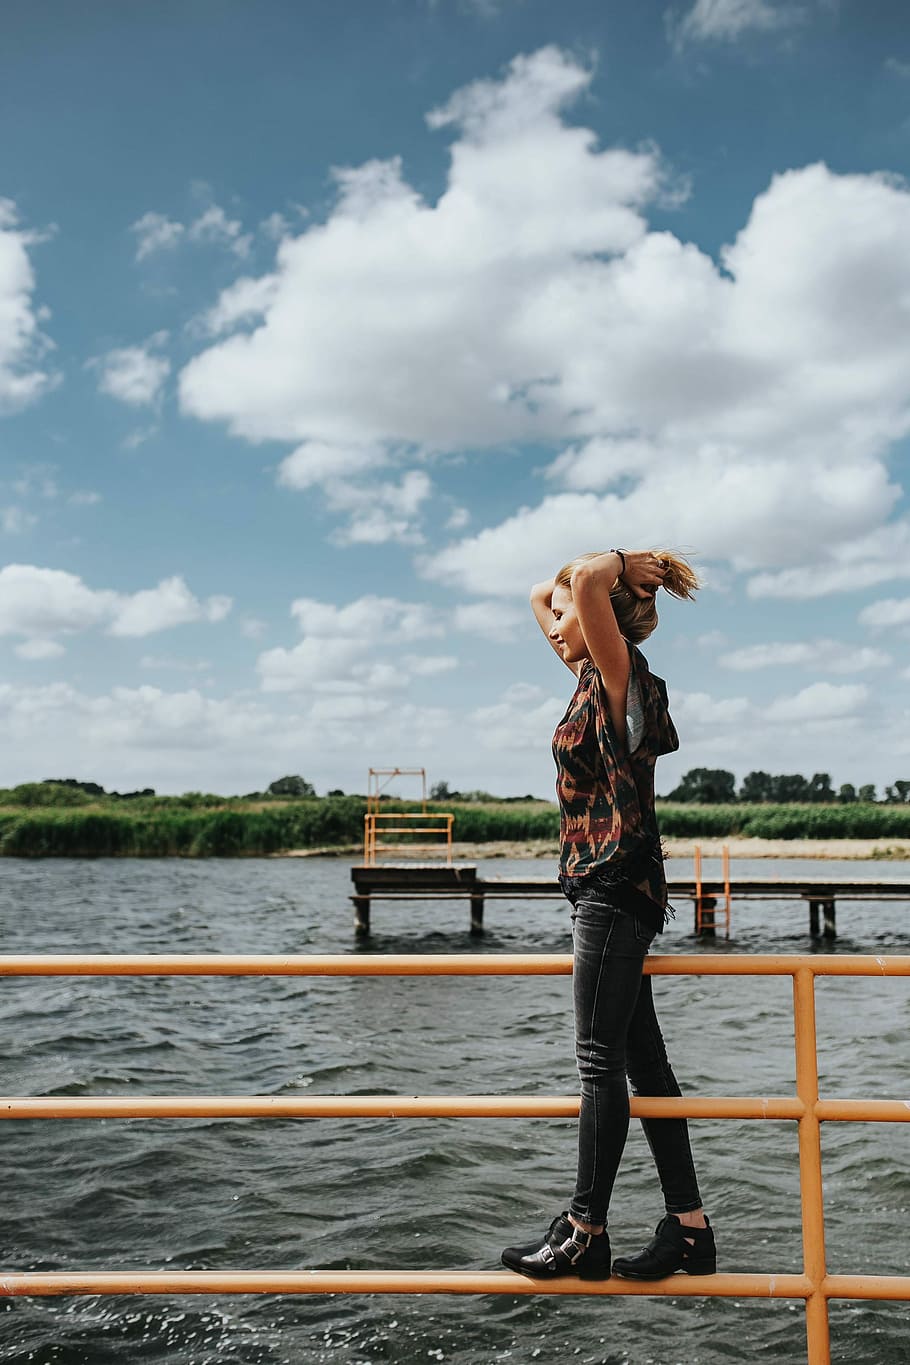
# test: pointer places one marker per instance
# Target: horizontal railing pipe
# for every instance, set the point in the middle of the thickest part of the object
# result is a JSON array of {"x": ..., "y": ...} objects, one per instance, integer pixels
[
  {"x": 434, "y": 964},
  {"x": 378, "y": 1106},
  {"x": 866, "y": 1286},
  {"x": 781, "y": 1107},
  {"x": 859, "y": 1111},
  {"x": 389, "y": 1282}
]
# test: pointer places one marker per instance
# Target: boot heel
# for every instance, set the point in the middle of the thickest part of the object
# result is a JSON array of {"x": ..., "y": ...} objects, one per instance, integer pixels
[
  {"x": 599, "y": 1271},
  {"x": 700, "y": 1265}
]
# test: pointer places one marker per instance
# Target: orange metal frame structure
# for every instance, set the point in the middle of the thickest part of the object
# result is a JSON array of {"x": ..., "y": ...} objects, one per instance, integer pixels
[
  {"x": 378, "y": 826},
  {"x": 706, "y": 913},
  {"x": 375, "y": 785},
  {"x": 375, "y": 826},
  {"x": 814, "y": 1285}
]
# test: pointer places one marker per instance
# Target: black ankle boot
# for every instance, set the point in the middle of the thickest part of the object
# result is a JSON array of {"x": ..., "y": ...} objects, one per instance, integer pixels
[
  {"x": 565, "y": 1250},
  {"x": 669, "y": 1251}
]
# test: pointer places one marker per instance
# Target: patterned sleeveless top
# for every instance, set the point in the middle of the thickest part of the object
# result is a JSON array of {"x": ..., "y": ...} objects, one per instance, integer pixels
[{"x": 608, "y": 824}]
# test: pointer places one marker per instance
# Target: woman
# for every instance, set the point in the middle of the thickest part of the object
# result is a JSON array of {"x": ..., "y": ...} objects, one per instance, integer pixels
[{"x": 594, "y": 613}]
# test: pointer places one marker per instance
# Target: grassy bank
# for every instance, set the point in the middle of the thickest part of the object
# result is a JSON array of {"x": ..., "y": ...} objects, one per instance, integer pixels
[
  {"x": 38, "y": 821},
  {"x": 853, "y": 820},
  {"x": 163, "y": 827},
  {"x": 203, "y": 826}
]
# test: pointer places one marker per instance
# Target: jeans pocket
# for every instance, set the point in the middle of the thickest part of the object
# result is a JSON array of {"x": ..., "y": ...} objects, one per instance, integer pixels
[{"x": 643, "y": 932}]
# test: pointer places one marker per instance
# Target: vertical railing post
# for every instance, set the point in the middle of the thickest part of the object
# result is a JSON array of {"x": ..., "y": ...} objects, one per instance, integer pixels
[
  {"x": 705, "y": 917},
  {"x": 818, "y": 1341}
]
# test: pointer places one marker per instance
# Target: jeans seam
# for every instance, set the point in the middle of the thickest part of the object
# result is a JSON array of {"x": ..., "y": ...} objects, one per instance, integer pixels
[{"x": 600, "y": 972}]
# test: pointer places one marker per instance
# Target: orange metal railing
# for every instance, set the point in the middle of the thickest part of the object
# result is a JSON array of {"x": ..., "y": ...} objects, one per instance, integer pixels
[
  {"x": 706, "y": 912},
  {"x": 380, "y": 826},
  {"x": 376, "y": 786},
  {"x": 815, "y": 1286}
]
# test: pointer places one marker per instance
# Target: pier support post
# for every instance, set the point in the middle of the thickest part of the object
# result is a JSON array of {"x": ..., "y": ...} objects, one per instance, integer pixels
[
  {"x": 361, "y": 914},
  {"x": 814, "y": 926},
  {"x": 822, "y": 908},
  {"x": 704, "y": 917},
  {"x": 476, "y": 913}
]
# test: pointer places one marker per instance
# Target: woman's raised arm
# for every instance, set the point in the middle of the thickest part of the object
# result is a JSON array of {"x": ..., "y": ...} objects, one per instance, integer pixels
[
  {"x": 591, "y": 585},
  {"x": 542, "y": 607}
]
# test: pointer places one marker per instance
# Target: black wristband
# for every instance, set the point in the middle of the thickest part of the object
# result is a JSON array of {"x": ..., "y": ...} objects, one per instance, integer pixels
[{"x": 622, "y": 560}]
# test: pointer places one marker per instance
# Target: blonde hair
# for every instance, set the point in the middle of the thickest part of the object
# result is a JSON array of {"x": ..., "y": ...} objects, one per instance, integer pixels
[{"x": 637, "y": 616}]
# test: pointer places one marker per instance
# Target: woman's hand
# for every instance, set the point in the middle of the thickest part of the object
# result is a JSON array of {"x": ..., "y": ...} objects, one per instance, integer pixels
[{"x": 644, "y": 572}]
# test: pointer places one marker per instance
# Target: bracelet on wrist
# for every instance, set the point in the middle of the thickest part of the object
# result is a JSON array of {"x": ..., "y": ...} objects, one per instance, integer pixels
[{"x": 622, "y": 560}]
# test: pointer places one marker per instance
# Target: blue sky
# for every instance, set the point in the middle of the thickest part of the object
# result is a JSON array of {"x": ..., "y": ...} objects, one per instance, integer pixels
[{"x": 326, "y": 329}]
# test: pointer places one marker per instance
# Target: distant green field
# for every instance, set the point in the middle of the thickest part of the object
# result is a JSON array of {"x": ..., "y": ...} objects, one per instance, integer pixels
[
  {"x": 199, "y": 826},
  {"x": 40, "y": 821},
  {"x": 853, "y": 820}
]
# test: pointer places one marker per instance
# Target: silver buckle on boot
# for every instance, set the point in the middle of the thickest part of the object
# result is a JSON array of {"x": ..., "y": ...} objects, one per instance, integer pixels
[{"x": 578, "y": 1248}]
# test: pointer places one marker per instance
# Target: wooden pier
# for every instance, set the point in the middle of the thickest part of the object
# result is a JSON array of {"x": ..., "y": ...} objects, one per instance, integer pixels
[{"x": 438, "y": 882}]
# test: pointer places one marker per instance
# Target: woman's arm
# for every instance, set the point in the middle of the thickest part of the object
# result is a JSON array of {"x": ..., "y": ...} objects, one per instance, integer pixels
[
  {"x": 542, "y": 607},
  {"x": 592, "y": 583}
]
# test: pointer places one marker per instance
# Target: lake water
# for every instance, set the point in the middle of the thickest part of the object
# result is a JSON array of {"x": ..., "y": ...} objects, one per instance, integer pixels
[{"x": 413, "y": 1194}]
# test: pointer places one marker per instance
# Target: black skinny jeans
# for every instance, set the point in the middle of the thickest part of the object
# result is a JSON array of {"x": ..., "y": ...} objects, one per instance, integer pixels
[{"x": 617, "y": 1034}]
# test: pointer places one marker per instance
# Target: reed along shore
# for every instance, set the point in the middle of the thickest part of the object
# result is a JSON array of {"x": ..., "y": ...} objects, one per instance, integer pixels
[{"x": 68, "y": 824}]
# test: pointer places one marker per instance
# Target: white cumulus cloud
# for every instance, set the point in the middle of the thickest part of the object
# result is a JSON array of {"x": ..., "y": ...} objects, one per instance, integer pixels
[
  {"x": 246, "y": 300},
  {"x": 22, "y": 344},
  {"x": 156, "y": 232},
  {"x": 181, "y": 740},
  {"x": 40, "y": 603},
  {"x": 399, "y": 320},
  {"x": 832, "y": 656},
  {"x": 744, "y": 407},
  {"x": 321, "y": 463},
  {"x": 523, "y": 719},
  {"x": 169, "y": 604},
  {"x": 401, "y": 323},
  {"x": 354, "y": 649},
  {"x": 746, "y": 416},
  {"x": 133, "y": 374},
  {"x": 491, "y": 619},
  {"x": 378, "y": 511},
  {"x": 728, "y": 20},
  {"x": 820, "y": 701},
  {"x": 213, "y": 225},
  {"x": 890, "y": 611}
]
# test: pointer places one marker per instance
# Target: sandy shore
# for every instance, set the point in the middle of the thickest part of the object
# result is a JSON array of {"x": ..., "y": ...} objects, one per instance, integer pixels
[
  {"x": 792, "y": 848},
  {"x": 856, "y": 849}
]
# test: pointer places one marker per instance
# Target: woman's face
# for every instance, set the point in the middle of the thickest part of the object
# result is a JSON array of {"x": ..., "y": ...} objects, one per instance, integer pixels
[{"x": 566, "y": 631}]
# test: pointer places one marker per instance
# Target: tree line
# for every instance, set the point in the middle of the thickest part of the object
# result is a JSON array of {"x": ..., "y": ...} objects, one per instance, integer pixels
[{"x": 716, "y": 786}]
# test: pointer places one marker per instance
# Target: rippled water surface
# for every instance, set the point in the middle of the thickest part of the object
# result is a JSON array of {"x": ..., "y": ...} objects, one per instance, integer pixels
[{"x": 412, "y": 1194}]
